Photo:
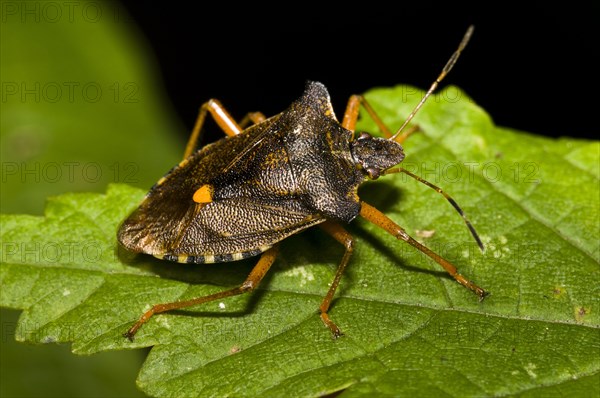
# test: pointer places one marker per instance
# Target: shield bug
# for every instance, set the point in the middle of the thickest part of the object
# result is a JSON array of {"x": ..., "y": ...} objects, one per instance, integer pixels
[{"x": 240, "y": 196}]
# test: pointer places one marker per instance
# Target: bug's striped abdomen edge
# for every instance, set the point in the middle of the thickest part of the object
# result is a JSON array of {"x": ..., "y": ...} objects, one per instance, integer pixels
[{"x": 211, "y": 258}]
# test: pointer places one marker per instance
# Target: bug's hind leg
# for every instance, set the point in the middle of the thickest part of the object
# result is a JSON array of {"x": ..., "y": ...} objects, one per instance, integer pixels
[
  {"x": 251, "y": 282},
  {"x": 342, "y": 236}
]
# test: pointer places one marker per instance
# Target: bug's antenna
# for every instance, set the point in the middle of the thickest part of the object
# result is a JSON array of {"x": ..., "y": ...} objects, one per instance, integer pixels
[
  {"x": 437, "y": 81},
  {"x": 448, "y": 198}
]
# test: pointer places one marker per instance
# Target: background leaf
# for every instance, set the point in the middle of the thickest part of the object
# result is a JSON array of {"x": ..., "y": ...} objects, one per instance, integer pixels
[
  {"x": 80, "y": 124},
  {"x": 81, "y": 107},
  {"x": 409, "y": 328}
]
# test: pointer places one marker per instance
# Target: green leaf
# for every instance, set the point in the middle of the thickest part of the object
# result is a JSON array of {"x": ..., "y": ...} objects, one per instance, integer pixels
[
  {"x": 409, "y": 328},
  {"x": 81, "y": 106}
]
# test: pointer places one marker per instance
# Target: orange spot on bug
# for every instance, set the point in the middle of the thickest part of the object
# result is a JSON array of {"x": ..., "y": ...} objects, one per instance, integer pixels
[{"x": 203, "y": 194}]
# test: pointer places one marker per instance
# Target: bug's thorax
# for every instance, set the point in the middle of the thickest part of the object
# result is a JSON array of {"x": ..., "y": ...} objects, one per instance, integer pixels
[{"x": 375, "y": 155}]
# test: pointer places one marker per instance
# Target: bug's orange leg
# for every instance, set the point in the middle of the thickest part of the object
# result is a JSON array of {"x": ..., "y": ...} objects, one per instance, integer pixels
[
  {"x": 351, "y": 116},
  {"x": 251, "y": 282},
  {"x": 252, "y": 117},
  {"x": 381, "y": 220},
  {"x": 342, "y": 236},
  {"x": 406, "y": 133},
  {"x": 221, "y": 117}
]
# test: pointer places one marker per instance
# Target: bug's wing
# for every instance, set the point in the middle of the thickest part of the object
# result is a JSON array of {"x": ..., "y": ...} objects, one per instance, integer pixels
[
  {"x": 254, "y": 203},
  {"x": 223, "y": 230}
]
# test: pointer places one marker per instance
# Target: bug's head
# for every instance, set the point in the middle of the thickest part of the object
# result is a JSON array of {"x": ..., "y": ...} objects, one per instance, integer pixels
[{"x": 375, "y": 155}]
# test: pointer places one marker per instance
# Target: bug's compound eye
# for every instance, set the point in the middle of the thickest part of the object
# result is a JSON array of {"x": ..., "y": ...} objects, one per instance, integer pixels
[
  {"x": 373, "y": 173},
  {"x": 364, "y": 136}
]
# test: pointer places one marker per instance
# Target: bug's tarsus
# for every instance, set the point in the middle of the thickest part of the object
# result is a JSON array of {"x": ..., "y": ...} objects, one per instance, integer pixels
[
  {"x": 438, "y": 80},
  {"x": 448, "y": 198}
]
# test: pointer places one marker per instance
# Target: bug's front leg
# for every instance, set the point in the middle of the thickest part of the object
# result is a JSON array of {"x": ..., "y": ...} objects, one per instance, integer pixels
[
  {"x": 342, "y": 236},
  {"x": 351, "y": 116},
  {"x": 381, "y": 220}
]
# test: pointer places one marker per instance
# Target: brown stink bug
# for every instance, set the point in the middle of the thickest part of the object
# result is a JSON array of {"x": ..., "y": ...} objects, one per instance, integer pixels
[{"x": 242, "y": 195}]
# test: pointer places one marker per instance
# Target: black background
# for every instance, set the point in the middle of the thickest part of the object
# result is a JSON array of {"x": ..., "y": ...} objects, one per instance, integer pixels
[{"x": 528, "y": 64}]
